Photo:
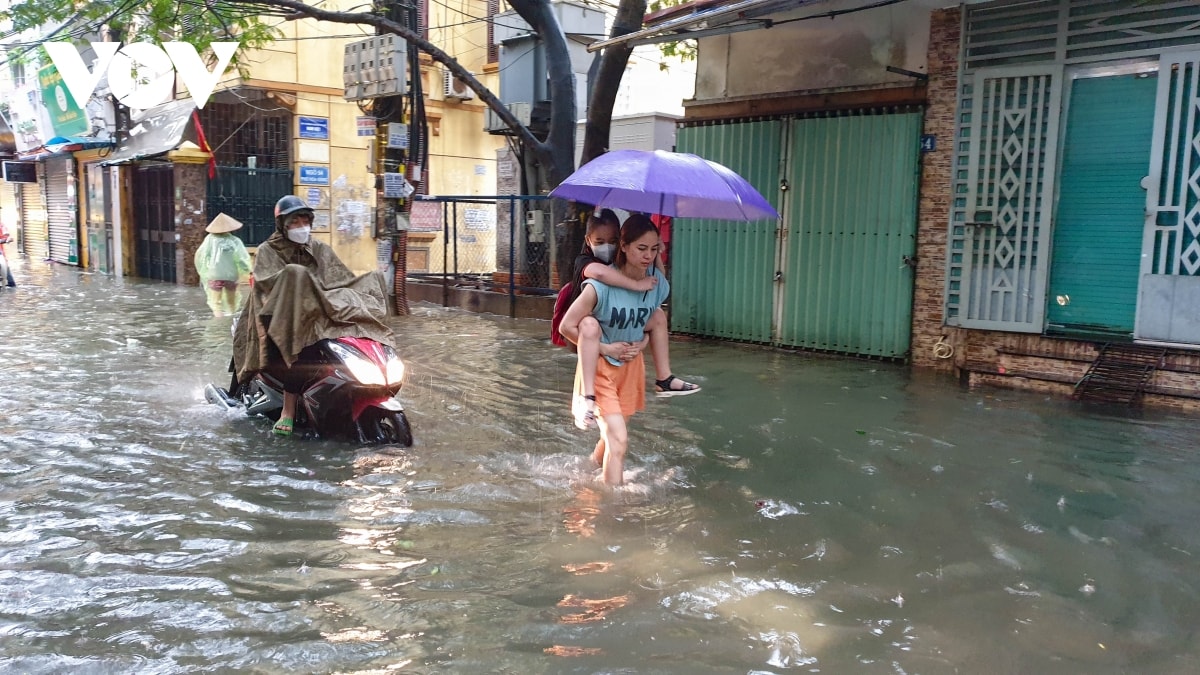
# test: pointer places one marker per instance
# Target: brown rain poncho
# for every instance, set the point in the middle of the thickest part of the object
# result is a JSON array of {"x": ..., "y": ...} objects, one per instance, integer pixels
[{"x": 303, "y": 293}]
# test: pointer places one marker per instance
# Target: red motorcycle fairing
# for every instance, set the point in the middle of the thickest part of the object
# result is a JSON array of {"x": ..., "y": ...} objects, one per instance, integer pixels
[{"x": 368, "y": 348}]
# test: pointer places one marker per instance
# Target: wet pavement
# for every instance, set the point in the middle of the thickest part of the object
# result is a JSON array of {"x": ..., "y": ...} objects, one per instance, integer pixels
[{"x": 800, "y": 514}]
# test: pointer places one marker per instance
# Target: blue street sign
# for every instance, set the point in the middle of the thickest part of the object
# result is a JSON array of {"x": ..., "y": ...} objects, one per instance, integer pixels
[
  {"x": 314, "y": 175},
  {"x": 314, "y": 127},
  {"x": 928, "y": 142}
]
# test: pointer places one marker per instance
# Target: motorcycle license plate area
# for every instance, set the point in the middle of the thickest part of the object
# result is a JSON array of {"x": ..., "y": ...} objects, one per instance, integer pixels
[{"x": 390, "y": 404}]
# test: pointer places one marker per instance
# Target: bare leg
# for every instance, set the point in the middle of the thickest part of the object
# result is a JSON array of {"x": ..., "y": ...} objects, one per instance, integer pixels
[
  {"x": 588, "y": 346},
  {"x": 229, "y": 298},
  {"x": 660, "y": 344},
  {"x": 660, "y": 350},
  {"x": 289, "y": 404},
  {"x": 287, "y": 416},
  {"x": 615, "y": 436},
  {"x": 213, "y": 297},
  {"x": 598, "y": 453}
]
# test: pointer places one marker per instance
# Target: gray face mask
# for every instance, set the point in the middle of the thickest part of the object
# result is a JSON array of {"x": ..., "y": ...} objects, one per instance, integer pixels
[{"x": 605, "y": 252}]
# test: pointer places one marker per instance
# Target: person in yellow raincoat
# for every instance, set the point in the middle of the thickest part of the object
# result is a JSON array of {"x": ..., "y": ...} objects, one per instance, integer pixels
[{"x": 222, "y": 261}]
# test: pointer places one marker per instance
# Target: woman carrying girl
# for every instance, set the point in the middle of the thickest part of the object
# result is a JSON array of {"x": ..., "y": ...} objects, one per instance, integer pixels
[
  {"x": 622, "y": 317},
  {"x": 601, "y": 243}
]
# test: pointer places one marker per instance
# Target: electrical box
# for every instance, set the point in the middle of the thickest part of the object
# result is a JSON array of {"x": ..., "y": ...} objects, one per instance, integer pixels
[
  {"x": 375, "y": 67},
  {"x": 535, "y": 225},
  {"x": 494, "y": 125}
]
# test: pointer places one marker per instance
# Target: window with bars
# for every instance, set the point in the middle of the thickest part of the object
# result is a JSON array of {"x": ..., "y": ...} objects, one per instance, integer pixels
[{"x": 236, "y": 132}]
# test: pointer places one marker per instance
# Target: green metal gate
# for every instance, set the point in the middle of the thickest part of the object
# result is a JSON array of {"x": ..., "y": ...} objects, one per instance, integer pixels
[
  {"x": 837, "y": 274},
  {"x": 248, "y": 195},
  {"x": 721, "y": 271},
  {"x": 851, "y": 234}
]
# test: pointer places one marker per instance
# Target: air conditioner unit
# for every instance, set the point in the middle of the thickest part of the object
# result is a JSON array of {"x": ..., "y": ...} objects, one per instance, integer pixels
[{"x": 456, "y": 88}]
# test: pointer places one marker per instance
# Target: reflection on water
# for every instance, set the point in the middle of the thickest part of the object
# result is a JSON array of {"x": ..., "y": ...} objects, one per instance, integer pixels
[{"x": 801, "y": 513}]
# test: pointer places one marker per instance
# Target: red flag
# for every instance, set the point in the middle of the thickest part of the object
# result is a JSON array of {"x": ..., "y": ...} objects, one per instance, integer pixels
[{"x": 212, "y": 158}]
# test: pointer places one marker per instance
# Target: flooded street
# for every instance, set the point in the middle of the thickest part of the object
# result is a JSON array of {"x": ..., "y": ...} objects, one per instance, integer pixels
[{"x": 801, "y": 514}]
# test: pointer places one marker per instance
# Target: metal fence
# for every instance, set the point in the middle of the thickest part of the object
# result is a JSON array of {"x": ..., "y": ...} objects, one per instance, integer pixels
[{"x": 500, "y": 243}]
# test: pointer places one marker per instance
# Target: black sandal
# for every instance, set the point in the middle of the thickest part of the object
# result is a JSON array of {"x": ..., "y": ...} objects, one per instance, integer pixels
[{"x": 662, "y": 388}]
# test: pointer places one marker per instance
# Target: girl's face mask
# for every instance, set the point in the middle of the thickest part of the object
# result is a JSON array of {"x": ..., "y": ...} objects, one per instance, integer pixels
[
  {"x": 604, "y": 252},
  {"x": 299, "y": 234}
]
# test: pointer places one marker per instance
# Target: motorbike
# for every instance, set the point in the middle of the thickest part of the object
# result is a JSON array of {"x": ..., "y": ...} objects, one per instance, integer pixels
[{"x": 350, "y": 393}]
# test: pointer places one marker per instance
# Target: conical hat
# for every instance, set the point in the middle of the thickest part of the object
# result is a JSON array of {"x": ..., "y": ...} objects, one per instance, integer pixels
[{"x": 222, "y": 224}]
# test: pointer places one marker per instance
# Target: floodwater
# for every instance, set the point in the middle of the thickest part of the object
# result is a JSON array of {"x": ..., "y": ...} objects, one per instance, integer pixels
[{"x": 801, "y": 514}]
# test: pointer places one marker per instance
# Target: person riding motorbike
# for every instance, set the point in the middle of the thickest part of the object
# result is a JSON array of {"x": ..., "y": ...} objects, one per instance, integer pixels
[
  {"x": 8, "y": 275},
  {"x": 301, "y": 293}
]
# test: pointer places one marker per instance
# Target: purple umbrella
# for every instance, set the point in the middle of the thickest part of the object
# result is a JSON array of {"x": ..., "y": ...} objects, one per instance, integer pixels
[{"x": 673, "y": 184}]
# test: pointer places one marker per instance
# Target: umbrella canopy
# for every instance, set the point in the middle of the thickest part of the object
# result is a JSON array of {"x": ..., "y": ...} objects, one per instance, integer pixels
[{"x": 674, "y": 184}]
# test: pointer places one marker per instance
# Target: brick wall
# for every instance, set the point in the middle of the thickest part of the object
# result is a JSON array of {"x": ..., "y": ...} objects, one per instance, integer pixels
[
  {"x": 933, "y": 214},
  {"x": 191, "y": 217}
]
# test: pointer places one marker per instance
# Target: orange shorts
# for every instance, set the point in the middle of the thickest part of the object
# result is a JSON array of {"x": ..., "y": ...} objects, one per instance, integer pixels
[{"x": 618, "y": 388}]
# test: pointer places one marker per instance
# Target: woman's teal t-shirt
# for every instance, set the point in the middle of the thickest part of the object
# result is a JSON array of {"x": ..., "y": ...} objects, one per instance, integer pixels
[{"x": 623, "y": 313}]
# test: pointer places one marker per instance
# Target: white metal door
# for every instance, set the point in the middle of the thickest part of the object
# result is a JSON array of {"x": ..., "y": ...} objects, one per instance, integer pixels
[
  {"x": 1169, "y": 289},
  {"x": 1004, "y": 235}
]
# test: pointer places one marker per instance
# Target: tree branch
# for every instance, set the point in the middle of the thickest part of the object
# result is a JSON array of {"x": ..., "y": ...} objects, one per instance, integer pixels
[{"x": 301, "y": 10}]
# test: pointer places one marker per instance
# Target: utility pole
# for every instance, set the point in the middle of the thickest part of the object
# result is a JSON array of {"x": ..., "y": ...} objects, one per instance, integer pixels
[{"x": 394, "y": 140}]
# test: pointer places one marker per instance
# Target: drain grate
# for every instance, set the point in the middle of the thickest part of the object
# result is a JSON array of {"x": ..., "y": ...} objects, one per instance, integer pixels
[{"x": 1119, "y": 374}]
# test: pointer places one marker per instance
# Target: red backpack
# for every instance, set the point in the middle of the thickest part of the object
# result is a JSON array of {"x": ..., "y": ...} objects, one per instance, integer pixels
[{"x": 560, "y": 308}]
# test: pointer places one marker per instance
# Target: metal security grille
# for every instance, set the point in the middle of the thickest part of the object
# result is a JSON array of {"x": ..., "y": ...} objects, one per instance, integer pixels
[
  {"x": 1000, "y": 235},
  {"x": 1014, "y": 33},
  {"x": 1170, "y": 279},
  {"x": 237, "y": 131},
  {"x": 1174, "y": 234},
  {"x": 154, "y": 208},
  {"x": 248, "y": 195},
  {"x": 61, "y": 210}
]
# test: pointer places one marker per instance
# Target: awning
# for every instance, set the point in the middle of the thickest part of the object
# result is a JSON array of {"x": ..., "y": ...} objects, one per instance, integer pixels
[
  {"x": 160, "y": 129},
  {"x": 72, "y": 143}
]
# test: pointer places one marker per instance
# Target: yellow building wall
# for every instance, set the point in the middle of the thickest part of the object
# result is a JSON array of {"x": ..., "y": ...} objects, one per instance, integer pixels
[
  {"x": 462, "y": 157},
  {"x": 306, "y": 60}
]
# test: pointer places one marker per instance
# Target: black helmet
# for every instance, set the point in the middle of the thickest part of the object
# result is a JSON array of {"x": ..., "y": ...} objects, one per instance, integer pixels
[{"x": 287, "y": 205}]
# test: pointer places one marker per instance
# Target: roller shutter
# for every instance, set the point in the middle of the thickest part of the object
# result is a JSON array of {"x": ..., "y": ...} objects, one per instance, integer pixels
[
  {"x": 33, "y": 220},
  {"x": 61, "y": 210}
]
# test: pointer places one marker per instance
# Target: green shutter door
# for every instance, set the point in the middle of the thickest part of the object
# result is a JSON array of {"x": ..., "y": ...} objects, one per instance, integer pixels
[
  {"x": 851, "y": 223},
  {"x": 722, "y": 271},
  {"x": 1101, "y": 205}
]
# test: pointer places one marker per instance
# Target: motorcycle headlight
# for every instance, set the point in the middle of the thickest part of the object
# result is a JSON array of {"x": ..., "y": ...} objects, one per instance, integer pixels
[
  {"x": 395, "y": 369},
  {"x": 362, "y": 369}
]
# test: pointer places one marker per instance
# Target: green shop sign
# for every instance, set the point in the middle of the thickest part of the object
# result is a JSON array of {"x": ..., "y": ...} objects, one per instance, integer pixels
[{"x": 65, "y": 116}]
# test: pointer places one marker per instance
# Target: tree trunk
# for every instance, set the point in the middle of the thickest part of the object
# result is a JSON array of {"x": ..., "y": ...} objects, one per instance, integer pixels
[
  {"x": 608, "y": 81},
  {"x": 599, "y": 117}
]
